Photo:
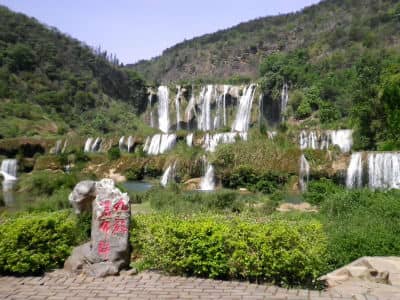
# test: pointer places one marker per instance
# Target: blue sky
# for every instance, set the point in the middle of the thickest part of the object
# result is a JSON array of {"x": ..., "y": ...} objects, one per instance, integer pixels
[{"x": 141, "y": 29}]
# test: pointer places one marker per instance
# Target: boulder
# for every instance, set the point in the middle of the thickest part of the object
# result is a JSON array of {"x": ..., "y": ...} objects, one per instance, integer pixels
[{"x": 108, "y": 252}]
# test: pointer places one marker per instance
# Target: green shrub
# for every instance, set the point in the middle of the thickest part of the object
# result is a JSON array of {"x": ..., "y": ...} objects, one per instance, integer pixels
[
  {"x": 114, "y": 153},
  {"x": 34, "y": 243},
  {"x": 282, "y": 252},
  {"x": 134, "y": 174},
  {"x": 319, "y": 190}
]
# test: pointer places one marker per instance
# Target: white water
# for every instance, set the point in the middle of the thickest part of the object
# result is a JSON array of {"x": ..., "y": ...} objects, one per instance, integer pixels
[
  {"x": 226, "y": 91},
  {"x": 147, "y": 144},
  {"x": 211, "y": 141},
  {"x": 284, "y": 100},
  {"x": 168, "y": 175},
  {"x": 151, "y": 111},
  {"x": 177, "y": 107},
  {"x": 9, "y": 171},
  {"x": 163, "y": 108},
  {"x": 190, "y": 109},
  {"x": 384, "y": 170},
  {"x": 121, "y": 143},
  {"x": 323, "y": 140},
  {"x": 204, "y": 122},
  {"x": 354, "y": 171},
  {"x": 189, "y": 139},
  {"x": 88, "y": 145},
  {"x": 96, "y": 145},
  {"x": 130, "y": 143},
  {"x": 57, "y": 147},
  {"x": 242, "y": 119},
  {"x": 304, "y": 173},
  {"x": 159, "y": 144},
  {"x": 208, "y": 181}
]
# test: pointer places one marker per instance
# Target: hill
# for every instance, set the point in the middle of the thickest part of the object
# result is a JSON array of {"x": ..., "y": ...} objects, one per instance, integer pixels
[
  {"x": 52, "y": 84},
  {"x": 320, "y": 29}
]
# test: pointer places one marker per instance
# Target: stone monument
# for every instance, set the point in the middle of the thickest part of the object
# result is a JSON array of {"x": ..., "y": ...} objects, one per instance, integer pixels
[{"x": 108, "y": 251}]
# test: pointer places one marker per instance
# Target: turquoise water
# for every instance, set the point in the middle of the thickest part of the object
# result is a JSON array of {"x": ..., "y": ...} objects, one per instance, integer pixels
[{"x": 137, "y": 186}]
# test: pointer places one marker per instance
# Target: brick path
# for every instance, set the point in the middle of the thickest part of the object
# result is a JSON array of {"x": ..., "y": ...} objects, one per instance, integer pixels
[{"x": 149, "y": 285}]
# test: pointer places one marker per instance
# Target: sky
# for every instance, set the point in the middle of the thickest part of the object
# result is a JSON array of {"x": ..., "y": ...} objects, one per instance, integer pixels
[{"x": 142, "y": 29}]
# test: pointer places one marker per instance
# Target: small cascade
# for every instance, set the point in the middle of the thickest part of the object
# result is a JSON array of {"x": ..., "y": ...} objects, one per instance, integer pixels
[
  {"x": 189, "y": 139},
  {"x": 130, "y": 143},
  {"x": 64, "y": 148},
  {"x": 204, "y": 122},
  {"x": 323, "y": 140},
  {"x": 147, "y": 144},
  {"x": 57, "y": 148},
  {"x": 226, "y": 91},
  {"x": 208, "y": 181},
  {"x": 177, "y": 107},
  {"x": 242, "y": 119},
  {"x": 88, "y": 145},
  {"x": 284, "y": 100},
  {"x": 121, "y": 143},
  {"x": 211, "y": 141},
  {"x": 8, "y": 169},
  {"x": 163, "y": 108},
  {"x": 159, "y": 144},
  {"x": 168, "y": 175},
  {"x": 304, "y": 173},
  {"x": 354, "y": 171},
  {"x": 96, "y": 146},
  {"x": 190, "y": 110},
  {"x": 384, "y": 170},
  {"x": 151, "y": 111}
]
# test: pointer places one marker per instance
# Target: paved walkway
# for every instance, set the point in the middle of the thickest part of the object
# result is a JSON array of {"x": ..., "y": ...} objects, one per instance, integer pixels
[{"x": 149, "y": 285}]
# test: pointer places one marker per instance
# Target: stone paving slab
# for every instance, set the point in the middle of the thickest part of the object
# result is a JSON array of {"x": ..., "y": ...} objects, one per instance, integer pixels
[{"x": 150, "y": 285}]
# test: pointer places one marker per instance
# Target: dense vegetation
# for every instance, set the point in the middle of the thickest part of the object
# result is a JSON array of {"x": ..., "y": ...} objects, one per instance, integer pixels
[
  {"x": 51, "y": 83},
  {"x": 330, "y": 28}
]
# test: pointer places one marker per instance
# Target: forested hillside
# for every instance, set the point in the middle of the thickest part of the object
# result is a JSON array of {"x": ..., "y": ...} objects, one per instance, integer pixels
[
  {"x": 51, "y": 83},
  {"x": 321, "y": 29}
]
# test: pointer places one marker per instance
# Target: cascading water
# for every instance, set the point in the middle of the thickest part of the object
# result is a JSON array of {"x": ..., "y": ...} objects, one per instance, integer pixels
[
  {"x": 315, "y": 140},
  {"x": 96, "y": 145},
  {"x": 284, "y": 100},
  {"x": 355, "y": 171},
  {"x": 177, "y": 107},
  {"x": 204, "y": 122},
  {"x": 9, "y": 171},
  {"x": 163, "y": 108},
  {"x": 190, "y": 110},
  {"x": 211, "y": 141},
  {"x": 242, "y": 119},
  {"x": 147, "y": 144},
  {"x": 168, "y": 175},
  {"x": 88, "y": 145},
  {"x": 189, "y": 139},
  {"x": 151, "y": 111},
  {"x": 121, "y": 143},
  {"x": 304, "y": 173},
  {"x": 226, "y": 91},
  {"x": 130, "y": 143},
  {"x": 159, "y": 144},
  {"x": 208, "y": 181},
  {"x": 384, "y": 170}
]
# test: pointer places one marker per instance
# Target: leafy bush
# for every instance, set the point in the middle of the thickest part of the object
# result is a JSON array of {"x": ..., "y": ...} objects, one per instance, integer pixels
[
  {"x": 318, "y": 191},
  {"x": 290, "y": 253},
  {"x": 34, "y": 243},
  {"x": 134, "y": 174},
  {"x": 114, "y": 153}
]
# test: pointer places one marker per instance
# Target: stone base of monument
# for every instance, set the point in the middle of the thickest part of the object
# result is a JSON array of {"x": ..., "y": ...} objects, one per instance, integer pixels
[{"x": 108, "y": 252}]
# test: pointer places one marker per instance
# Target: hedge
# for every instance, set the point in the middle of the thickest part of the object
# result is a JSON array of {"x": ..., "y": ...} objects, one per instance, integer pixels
[
  {"x": 277, "y": 251},
  {"x": 32, "y": 244}
]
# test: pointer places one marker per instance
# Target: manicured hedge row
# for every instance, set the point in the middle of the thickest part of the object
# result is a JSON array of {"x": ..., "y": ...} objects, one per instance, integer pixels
[
  {"x": 31, "y": 244},
  {"x": 276, "y": 251}
]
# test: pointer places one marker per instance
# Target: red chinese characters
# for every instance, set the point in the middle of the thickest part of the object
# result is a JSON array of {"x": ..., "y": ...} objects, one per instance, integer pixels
[
  {"x": 103, "y": 249},
  {"x": 106, "y": 205},
  {"x": 105, "y": 226},
  {"x": 120, "y": 226},
  {"x": 120, "y": 206}
]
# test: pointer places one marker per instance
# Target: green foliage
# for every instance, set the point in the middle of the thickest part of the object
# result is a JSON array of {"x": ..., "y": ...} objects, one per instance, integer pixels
[
  {"x": 281, "y": 252},
  {"x": 134, "y": 174},
  {"x": 319, "y": 190},
  {"x": 114, "y": 153},
  {"x": 34, "y": 243}
]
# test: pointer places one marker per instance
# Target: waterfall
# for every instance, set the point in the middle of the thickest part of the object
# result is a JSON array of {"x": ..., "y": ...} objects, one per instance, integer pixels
[
  {"x": 242, "y": 119},
  {"x": 163, "y": 111},
  {"x": 304, "y": 173},
  {"x": 9, "y": 171},
  {"x": 64, "y": 147},
  {"x": 130, "y": 143},
  {"x": 88, "y": 145},
  {"x": 151, "y": 111},
  {"x": 177, "y": 107},
  {"x": 354, "y": 171},
  {"x": 384, "y": 170},
  {"x": 314, "y": 140},
  {"x": 121, "y": 143},
  {"x": 146, "y": 144},
  {"x": 159, "y": 144},
  {"x": 211, "y": 141},
  {"x": 284, "y": 100},
  {"x": 189, "y": 139},
  {"x": 226, "y": 91},
  {"x": 342, "y": 138},
  {"x": 57, "y": 148},
  {"x": 208, "y": 181},
  {"x": 96, "y": 145},
  {"x": 190, "y": 109},
  {"x": 168, "y": 174},
  {"x": 204, "y": 122}
]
